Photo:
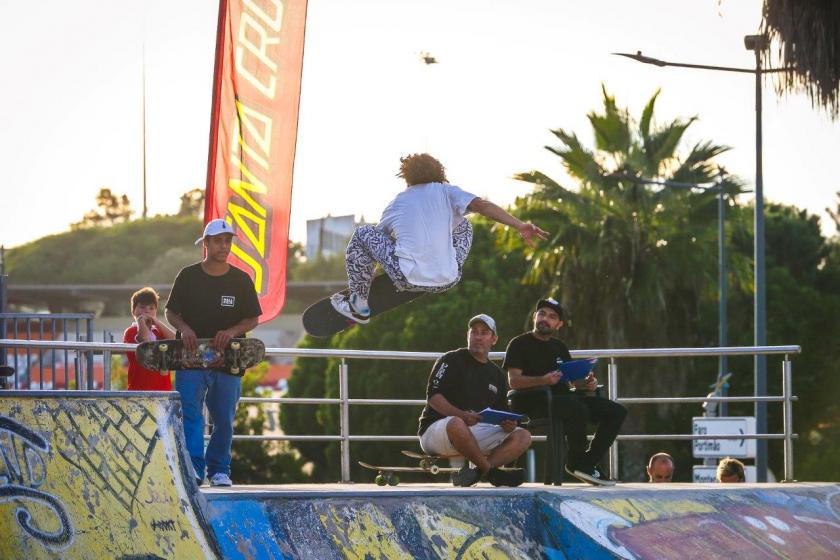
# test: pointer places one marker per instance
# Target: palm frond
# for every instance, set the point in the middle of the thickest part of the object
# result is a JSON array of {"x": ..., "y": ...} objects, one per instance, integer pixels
[
  {"x": 647, "y": 118},
  {"x": 808, "y": 35},
  {"x": 578, "y": 161},
  {"x": 663, "y": 145},
  {"x": 612, "y": 128}
]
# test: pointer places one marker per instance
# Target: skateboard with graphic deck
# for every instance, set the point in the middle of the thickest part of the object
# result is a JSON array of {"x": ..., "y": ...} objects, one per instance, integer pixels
[
  {"x": 428, "y": 464},
  {"x": 169, "y": 354},
  {"x": 321, "y": 319}
]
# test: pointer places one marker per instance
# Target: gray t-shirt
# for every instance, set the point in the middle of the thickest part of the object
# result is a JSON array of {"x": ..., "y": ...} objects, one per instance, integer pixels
[{"x": 422, "y": 219}]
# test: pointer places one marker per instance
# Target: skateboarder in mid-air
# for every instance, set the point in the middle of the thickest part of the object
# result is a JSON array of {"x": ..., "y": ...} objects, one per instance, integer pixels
[{"x": 422, "y": 240}]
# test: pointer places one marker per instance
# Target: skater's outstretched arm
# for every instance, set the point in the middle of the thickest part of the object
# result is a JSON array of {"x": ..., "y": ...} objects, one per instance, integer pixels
[{"x": 527, "y": 230}]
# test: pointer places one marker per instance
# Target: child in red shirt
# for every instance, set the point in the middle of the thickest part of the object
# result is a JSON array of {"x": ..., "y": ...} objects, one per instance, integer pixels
[{"x": 146, "y": 327}]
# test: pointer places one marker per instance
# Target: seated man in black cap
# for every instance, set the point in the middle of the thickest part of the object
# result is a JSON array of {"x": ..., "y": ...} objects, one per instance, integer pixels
[
  {"x": 464, "y": 382},
  {"x": 531, "y": 360}
]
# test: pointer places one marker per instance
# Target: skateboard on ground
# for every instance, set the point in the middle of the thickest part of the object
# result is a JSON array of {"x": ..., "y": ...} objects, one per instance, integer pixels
[
  {"x": 428, "y": 464},
  {"x": 388, "y": 475},
  {"x": 169, "y": 354},
  {"x": 321, "y": 319}
]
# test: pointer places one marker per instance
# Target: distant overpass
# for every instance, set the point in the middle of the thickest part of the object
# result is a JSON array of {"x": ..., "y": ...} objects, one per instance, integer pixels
[{"x": 65, "y": 297}]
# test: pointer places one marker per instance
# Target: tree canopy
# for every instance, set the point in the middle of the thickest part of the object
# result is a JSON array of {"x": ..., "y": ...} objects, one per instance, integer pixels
[{"x": 111, "y": 209}]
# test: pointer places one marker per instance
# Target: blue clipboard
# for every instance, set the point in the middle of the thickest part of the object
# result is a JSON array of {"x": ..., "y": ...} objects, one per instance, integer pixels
[
  {"x": 493, "y": 416},
  {"x": 576, "y": 369}
]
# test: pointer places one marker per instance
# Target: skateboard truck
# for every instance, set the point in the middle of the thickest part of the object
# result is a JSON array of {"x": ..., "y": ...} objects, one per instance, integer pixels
[
  {"x": 234, "y": 368},
  {"x": 162, "y": 348}
]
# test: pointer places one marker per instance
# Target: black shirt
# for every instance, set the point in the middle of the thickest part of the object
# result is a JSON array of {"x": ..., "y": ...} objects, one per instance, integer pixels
[
  {"x": 466, "y": 383},
  {"x": 536, "y": 357},
  {"x": 209, "y": 304}
]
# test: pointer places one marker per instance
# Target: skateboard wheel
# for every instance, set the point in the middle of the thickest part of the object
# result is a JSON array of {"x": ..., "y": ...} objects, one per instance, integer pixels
[
  {"x": 235, "y": 345},
  {"x": 163, "y": 347},
  {"x": 393, "y": 480},
  {"x": 379, "y": 480},
  {"x": 234, "y": 370},
  {"x": 434, "y": 469}
]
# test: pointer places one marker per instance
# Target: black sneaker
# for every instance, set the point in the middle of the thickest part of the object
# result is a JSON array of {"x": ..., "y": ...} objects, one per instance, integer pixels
[
  {"x": 507, "y": 477},
  {"x": 466, "y": 476},
  {"x": 591, "y": 476}
]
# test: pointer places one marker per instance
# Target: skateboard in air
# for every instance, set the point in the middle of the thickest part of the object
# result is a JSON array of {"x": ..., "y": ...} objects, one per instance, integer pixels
[
  {"x": 169, "y": 354},
  {"x": 321, "y": 319}
]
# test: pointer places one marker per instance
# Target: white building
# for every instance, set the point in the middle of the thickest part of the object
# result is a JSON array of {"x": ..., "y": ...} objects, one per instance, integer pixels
[{"x": 329, "y": 235}]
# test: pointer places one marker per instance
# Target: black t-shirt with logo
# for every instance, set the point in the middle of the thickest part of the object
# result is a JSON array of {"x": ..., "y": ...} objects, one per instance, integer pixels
[
  {"x": 466, "y": 383},
  {"x": 536, "y": 357},
  {"x": 209, "y": 304}
]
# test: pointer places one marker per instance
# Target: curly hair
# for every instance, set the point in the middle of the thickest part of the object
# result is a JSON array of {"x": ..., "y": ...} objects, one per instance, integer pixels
[
  {"x": 418, "y": 169},
  {"x": 144, "y": 296}
]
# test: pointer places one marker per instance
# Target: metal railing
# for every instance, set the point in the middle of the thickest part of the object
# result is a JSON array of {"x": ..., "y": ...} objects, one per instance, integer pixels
[
  {"x": 48, "y": 326},
  {"x": 345, "y": 437}
]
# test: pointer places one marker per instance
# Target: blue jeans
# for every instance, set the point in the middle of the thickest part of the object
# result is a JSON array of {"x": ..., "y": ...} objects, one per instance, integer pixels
[{"x": 221, "y": 392}]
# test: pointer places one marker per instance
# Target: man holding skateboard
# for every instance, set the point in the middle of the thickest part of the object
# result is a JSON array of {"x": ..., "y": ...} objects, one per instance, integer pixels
[
  {"x": 422, "y": 240},
  {"x": 531, "y": 360},
  {"x": 463, "y": 382},
  {"x": 211, "y": 299}
]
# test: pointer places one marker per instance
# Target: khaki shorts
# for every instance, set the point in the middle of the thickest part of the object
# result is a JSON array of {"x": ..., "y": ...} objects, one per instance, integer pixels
[{"x": 435, "y": 441}]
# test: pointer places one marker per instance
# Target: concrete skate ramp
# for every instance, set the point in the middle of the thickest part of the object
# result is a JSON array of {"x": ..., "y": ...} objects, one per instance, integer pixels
[
  {"x": 105, "y": 475},
  {"x": 630, "y": 521},
  {"x": 96, "y": 476}
]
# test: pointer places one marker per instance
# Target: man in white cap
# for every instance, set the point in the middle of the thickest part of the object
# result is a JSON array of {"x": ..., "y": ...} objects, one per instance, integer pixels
[
  {"x": 211, "y": 299},
  {"x": 463, "y": 382}
]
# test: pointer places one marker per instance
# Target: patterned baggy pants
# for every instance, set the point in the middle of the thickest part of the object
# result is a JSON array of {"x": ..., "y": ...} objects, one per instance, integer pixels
[{"x": 370, "y": 245}]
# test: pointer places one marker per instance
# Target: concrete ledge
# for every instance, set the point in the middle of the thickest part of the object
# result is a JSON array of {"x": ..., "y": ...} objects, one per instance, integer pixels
[{"x": 573, "y": 521}]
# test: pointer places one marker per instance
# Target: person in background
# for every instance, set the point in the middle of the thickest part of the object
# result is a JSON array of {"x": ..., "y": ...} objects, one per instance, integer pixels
[
  {"x": 660, "y": 468},
  {"x": 730, "y": 470},
  {"x": 146, "y": 328}
]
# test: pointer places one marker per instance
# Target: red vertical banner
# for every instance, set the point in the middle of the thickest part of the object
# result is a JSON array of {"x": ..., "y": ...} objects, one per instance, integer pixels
[{"x": 256, "y": 95}]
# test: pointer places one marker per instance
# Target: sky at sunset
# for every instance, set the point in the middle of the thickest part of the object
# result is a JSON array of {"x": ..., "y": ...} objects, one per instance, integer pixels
[{"x": 508, "y": 72}]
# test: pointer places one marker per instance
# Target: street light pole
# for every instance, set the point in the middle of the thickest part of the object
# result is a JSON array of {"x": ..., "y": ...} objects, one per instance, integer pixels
[
  {"x": 756, "y": 43},
  {"x": 723, "y": 331}
]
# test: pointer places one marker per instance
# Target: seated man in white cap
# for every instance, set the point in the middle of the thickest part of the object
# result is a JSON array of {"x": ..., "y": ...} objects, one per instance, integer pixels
[{"x": 463, "y": 382}]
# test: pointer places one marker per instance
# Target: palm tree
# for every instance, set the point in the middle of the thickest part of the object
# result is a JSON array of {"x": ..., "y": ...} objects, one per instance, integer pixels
[
  {"x": 635, "y": 261},
  {"x": 808, "y": 34},
  {"x": 635, "y": 264}
]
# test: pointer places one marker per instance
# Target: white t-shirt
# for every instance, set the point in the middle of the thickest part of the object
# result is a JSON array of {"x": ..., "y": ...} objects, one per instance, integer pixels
[{"x": 422, "y": 219}]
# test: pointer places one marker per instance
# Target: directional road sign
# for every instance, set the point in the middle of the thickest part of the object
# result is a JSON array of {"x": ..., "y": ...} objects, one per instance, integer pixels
[{"x": 719, "y": 426}]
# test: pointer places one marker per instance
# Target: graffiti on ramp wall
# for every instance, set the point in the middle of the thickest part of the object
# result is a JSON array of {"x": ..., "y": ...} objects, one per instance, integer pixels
[{"x": 94, "y": 477}]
